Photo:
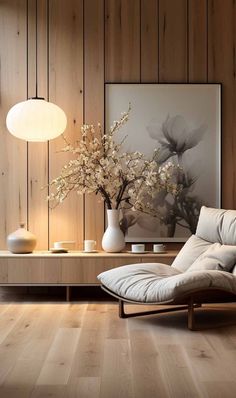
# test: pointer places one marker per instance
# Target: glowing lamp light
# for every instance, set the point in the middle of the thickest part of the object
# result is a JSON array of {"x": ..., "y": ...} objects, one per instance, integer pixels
[{"x": 36, "y": 120}]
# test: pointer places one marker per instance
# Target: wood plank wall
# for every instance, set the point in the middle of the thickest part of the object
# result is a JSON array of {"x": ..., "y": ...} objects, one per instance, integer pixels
[{"x": 82, "y": 44}]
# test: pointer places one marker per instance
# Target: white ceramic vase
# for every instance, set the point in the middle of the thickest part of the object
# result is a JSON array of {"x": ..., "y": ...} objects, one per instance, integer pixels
[
  {"x": 21, "y": 241},
  {"x": 113, "y": 240}
]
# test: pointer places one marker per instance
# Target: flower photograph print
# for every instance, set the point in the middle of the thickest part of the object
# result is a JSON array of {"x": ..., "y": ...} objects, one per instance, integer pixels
[{"x": 181, "y": 123}]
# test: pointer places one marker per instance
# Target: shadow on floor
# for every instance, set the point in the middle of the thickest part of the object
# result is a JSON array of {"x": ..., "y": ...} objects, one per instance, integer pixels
[
  {"x": 207, "y": 317},
  {"x": 53, "y": 293}
]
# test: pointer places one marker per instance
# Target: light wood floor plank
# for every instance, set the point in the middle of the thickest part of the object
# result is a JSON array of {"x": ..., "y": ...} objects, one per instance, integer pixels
[
  {"x": 22, "y": 378},
  {"x": 9, "y": 317},
  {"x": 51, "y": 391},
  {"x": 39, "y": 344},
  {"x": 84, "y": 387},
  {"x": 14, "y": 344},
  {"x": 57, "y": 367},
  {"x": 89, "y": 354},
  {"x": 73, "y": 316},
  {"x": 207, "y": 363},
  {"x": 116, "y": 381},
  {"x": 14, "y": 392},
  {"x": 221, "y": 389},
  {"x": 175, "y": 372},
  {"x": 116, "y": 329},
  {"x": 147, "y": 377},
  {"x": 3, "y": 308}
]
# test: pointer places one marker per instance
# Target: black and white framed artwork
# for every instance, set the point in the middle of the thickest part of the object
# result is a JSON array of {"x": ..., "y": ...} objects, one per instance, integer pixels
[{"x": 183, "y": 121}]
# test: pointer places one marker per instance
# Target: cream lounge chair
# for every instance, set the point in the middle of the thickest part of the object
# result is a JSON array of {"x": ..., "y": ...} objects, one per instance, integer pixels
[{"x": 204, "y": 271}]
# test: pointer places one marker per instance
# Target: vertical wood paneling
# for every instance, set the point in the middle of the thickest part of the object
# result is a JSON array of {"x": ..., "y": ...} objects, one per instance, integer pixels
[
  {"x": 222, "y": 68},
  {"x": 149, "y": 41},
  {"x": 38, "y": 152},
  {"x": 122, "y": 37},
  {"x": 66, "y": 90},
  {"x": 94, "y": 101},
  {"x": 197, "y": 41},
  {"x": 173, "y": 63},
  {"x": 13, "y": 85},
  {"x": 145, "y": 40}
]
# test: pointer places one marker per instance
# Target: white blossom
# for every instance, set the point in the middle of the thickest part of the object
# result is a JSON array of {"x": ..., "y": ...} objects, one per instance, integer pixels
[{"x": 123, "y": 179}]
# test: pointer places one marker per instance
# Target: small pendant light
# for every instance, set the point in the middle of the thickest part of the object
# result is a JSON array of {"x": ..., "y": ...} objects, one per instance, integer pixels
[{"x": 36, "y": 119}]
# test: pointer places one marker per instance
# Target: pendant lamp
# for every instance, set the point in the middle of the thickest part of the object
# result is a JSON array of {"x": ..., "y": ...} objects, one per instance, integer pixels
[{"x": 36, "y": 119}]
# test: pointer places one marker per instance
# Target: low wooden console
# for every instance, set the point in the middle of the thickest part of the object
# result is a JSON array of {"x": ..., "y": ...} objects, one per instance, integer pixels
[{"x": 67, "y": 269}]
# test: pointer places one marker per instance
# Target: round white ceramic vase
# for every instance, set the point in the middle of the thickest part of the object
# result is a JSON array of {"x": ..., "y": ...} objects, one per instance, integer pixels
[
  {"x": 21, "y": 241},
  {"x": 113, "y": 240}
]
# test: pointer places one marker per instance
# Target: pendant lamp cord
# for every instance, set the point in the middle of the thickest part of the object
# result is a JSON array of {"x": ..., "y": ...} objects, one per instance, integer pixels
[
  {"x": 36, "y": 48},
  {"x": 36, "y": 53}
]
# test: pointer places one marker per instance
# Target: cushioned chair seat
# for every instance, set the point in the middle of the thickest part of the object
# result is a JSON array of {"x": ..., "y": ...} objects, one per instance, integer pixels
[{"x": 157, "y": 283}]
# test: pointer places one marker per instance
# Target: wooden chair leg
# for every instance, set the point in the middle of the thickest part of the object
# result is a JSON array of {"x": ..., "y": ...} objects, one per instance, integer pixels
[
  {"x": 121, "y": 309},
  {"x": 191, "y": 320}
]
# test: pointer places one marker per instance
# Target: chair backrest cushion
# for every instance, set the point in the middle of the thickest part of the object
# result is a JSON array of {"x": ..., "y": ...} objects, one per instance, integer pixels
[
  {"x": 218, "y": 257},
  {"x": 213, "y": 246},
  {"x": 217, "y": 225},
  {"x": 189, "y": 253}
]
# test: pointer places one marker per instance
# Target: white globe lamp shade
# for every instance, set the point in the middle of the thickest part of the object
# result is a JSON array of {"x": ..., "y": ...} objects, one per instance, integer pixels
[{"x": 36, "y": 120}]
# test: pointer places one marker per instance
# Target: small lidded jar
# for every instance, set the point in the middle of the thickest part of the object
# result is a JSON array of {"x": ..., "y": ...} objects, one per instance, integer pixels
[{"x": 21, "y": 241}]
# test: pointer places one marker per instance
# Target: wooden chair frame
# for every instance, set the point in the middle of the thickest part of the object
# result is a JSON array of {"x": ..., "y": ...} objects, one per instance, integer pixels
[{"x": 188, "y": 302}]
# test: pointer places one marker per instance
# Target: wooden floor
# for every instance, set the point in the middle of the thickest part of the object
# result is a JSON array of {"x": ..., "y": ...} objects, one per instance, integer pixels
[{"x": 84, "y": 350}]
